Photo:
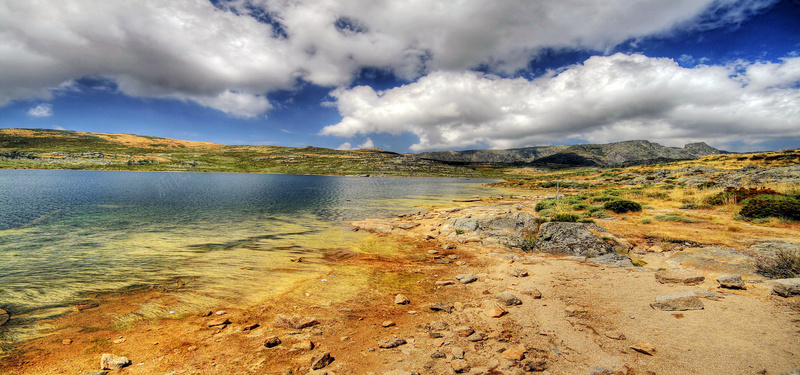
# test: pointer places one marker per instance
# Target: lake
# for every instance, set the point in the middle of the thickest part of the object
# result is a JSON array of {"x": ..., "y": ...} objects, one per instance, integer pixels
[{"x": 67, "y": 234}]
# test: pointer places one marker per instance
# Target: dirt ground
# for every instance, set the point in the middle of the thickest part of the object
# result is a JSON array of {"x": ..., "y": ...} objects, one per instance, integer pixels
[{"x": 591, "y": 318}]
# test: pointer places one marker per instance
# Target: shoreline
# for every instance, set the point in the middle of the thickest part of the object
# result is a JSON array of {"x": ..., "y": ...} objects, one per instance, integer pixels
[{"x": 586, "y": 316}]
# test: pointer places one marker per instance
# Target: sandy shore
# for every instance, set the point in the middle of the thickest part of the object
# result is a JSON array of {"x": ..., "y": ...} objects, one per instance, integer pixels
[{"x": 567, "y": 316}]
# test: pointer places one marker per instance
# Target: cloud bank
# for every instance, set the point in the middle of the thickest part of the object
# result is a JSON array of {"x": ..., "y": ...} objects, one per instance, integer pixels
[
  {"x": 604, "y": 99},
  {"x": 227, "y": 54}
]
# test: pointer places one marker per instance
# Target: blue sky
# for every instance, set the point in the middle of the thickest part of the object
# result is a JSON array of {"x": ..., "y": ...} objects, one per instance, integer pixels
[{"x": 408, "y": 76}]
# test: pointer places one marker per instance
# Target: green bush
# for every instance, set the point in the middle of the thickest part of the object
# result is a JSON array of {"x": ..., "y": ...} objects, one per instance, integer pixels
[
  {"x": 566, "y": 217},
  {"x": 764, "y": 206},
  {"x": 622, "y": 206},
  {"x": 736, "y": 195},
  {"x": 588, "y": 221},
  {"x": 604, "y": 198},
  {"x": 674, "y": 217},
  {"x": 545, "y": 204},
  {"x": 580, "y": 207}
]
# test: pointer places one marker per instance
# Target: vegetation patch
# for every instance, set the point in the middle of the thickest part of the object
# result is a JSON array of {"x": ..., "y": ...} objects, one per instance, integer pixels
[
  {"x": 784, "y": 264},
  {"x": 764, "y": 206},
  {"x": 566, "y": 218},
  {"x": 736, "y": 195},
  {"x": 622, "y": 206}
]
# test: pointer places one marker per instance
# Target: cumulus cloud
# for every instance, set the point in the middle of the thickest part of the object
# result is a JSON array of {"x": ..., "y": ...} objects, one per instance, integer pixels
[
  {"x": 602, "y": 100},
  {"x": 230, "y": 55},
  {"x": 41, "y": 110},
  {"x": 349, "y": 146}
]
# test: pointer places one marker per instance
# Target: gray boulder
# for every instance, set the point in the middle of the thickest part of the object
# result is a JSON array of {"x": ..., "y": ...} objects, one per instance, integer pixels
[
  {"x": 581, "y": 239},
  {"x": 731, "y": 282},
  {"x": 786, "y": 287},
  {"x": 678, "y": 302}
]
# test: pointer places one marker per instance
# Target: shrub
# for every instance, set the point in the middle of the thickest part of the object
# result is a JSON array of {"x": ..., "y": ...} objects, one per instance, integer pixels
[
  {"x": 764, "y": 206},
  {"x": 647, "y": 221},
  {"x": 580, "y": 206},
  {"x": 588, "y": 221},
  {"x": 596, "y": 212},
  {"x": 566, "y": 217},
  {"x": 604, "y": 198},
  {"x": 736, "y": 195},
  {"x": 783, "y": 264},
  {"x": 622, "y": 206},
  {"x": 545, "y": 204},
  {"x": 675, "y": 217}
]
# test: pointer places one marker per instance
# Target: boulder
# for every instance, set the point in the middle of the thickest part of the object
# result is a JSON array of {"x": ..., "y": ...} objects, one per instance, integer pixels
[
  {"x": 391, "y": 343},
  {"x": 678, "y": 302},
  {"x": 113, "y": 362},
  {"x": 581, "y": 239},
  {"x": 467, "y": 278},
  {"x": 786, "y": 287},
  {"x": 442, "y": 307},
  {"x": 678, "y": 276},
  {"x": 731, "y": 282},
  {"x": 401, "y": 300}
]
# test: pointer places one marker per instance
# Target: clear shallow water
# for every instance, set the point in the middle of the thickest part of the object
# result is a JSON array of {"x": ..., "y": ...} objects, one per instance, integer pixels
[{"x": 64, "y": 234}]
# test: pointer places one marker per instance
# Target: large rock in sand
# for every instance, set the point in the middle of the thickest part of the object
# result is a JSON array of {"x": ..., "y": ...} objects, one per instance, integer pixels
[
  {"x": 678, "y": 302},
  {"x": 581, "y": 239},
  {"x": 786, "y": 287}
]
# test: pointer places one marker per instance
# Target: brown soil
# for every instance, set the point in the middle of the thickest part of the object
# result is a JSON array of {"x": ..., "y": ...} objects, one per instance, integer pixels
[{"x": 587, "y": 321}]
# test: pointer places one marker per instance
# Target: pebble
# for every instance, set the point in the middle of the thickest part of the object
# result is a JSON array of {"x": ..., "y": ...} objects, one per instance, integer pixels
[
  {"x": 467, "y": 278},
  {"x": 388, "y": 323},
  {"x": 66, "y": 341},
  {"x": 321, "y": 360},
  {"x": 219, "y": 322},
  {"x": 391, "y": 343},
  {"x": 493, "y": 310},
  {"x": 272, "y": 341},
  {"x": 509, "y": 299},
  {"x": 442, "y": 307},
  {"x": 401, "y": 299},
  {"x": 459, "y": 366},
  {"x": 535, "y": 293},
  {"x": 644, "y": 347},
  {"x": 113, "y": 362},
  {"x": 463, "y": 331},
  {"x": 305, "y": 345},
  {"x": 438, "y": 325}
]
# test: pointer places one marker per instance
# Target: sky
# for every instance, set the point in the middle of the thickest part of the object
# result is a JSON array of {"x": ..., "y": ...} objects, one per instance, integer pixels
[{"x": 407, "y": 76}]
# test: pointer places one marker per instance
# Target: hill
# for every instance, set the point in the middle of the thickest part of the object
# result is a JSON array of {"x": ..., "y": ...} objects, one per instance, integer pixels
[{"x": 619, "y": 154}]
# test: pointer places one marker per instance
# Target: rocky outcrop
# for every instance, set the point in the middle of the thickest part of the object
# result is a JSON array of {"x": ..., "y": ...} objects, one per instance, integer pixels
[
  {"x": 581, "y": 239},
  {"x": 786, "y": 287}
]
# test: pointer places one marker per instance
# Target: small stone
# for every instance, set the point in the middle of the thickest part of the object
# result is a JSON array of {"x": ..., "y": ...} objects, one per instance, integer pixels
[
  {"x": 457, "y": 352},
  {"x": 304, "y": 345},
  {"x": 391, "y": 343},
  {"x": 644, "y": 347},
  {"x": 731, "y": 282},
  {"x": 678, "y": 276},
  {"x": 272, "y": 341},
  {"x": 520, "y": 272},
  {"x": 509, "y": 299},
  {"x": 433, "y": 252},
  {"x": 96, "y": 373},
  {"x": 535, "y": 365},
  {"x": 296, "y": 322},
  {"x": 575, "y": 311},
  {"x": 535, "y": 293},
  {"x": 615, "y": 335},
  {"x": 463, "y": 331},
  {"x": 85, "y": 306},
  {"x": 467, "y": 278},
  {"x": 438, "y": 325},
  {"x": 221, "y": 312},
  {"x": 218, "y": 322},
  {"x": 494, "y": 310},
  {"x": 113, "y": 362},
  {"x": 475, "y": 337},
  {"x": 344, "y": 338},
  {"x": 445, "y": 283},
  {"x": 119, "y": 341},
  {"x": 460, "y": 366},
  {"x": 321, "y": 360},
  {"x": 513, "y": 354},
  {"x": 388, "y": 323},
  {"x": 206, "y": 314},
  {"x": 251, "y": 327},
  {"x": 442, "y": 307},
  {"x": 678, "y": 302},
  {"x": 401, "y": 300},
  {"x": 438, "y": 354},
  {"x": 435, "y": 335},
  {"x": 66, "y": 341}
]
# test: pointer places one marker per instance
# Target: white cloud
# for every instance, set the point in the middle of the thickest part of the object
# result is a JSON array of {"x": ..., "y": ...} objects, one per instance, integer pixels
[
  {"x": 345, "y": 146},
  {"x": 41, "y": 110},
  {"x": 602, "y": 100},
  {"x": 348, "y": 146},
  {"x": 227, "y": 60}
]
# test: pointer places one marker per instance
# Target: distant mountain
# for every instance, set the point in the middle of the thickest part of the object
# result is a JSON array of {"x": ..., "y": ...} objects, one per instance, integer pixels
[{"x": 595, "y": 155}]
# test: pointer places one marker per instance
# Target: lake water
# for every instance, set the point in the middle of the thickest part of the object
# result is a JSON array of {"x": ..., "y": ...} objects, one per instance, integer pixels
[{"x": 66, "y": 234}]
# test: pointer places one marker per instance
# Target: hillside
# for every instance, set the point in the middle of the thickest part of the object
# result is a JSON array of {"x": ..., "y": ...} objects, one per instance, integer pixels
[
  {"x": 617, "y": 154},
  {"x": 61, "y": 149}
]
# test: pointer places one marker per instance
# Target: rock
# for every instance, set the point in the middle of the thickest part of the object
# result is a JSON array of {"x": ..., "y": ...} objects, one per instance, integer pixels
[
  {"x": 4, "y": 317},
  {"x": 445, "y": 283},
  {"x": 438, "y": 354},
  {"x": 731, "y": 282},
  {"x": 388, "y": 323},
  {"x": 401, "y": 300},
  {"x": 793, "y": 372},
  {"x": 613, "y": 259},
  {"x": 438, "y": 325},
  {"x": 460, "y": 366},
  {"x": 678, "y": 302},
  {"x": 535, "y": 366},
  {"x": 113, "y": 362},
  {"x": 678, "y": 276},
  {"x": 513, "y": 354},
  {"x": 494, "y": 310},
  {"x": 251, "y": 327},
  {"x": 68, "y": 341},
  {"x": 520, "y": 272},
  {"x": 463, "y": 331},
  {"x": 786, "y": 287},
  {"x": 206, "y": 314},
  {"x": 221, "y": 312},
  {"x": 509, "y": 299},
  {"x": 579, "y": 239},
  {"x": 406, "y": 225},
  {"x": 535, "y": 293},
  {"x": 304, "y": 345},
  {"x": 272, "y": 341},
  {"x": 575, "y": 311},
  {"x": 218, "y": 322},
  {"x": 442, "y": 307},
  {"x": 644, "y": 347},
  {"x": 457, "y": 352},
  {"x": 475, "y": 337},
  {"x": 615, "y": 335},
  {"x": 467, "y": 278},
  {"x": 296, "y": 322},
  {"x": 96, "y": 373},
  {"x": 391, "y": 343},
  {"x": 321, "y": 360}
]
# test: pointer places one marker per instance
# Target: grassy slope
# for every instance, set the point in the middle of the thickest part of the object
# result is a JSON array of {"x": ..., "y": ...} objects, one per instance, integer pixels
[{"x": 54, "y": 149}]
